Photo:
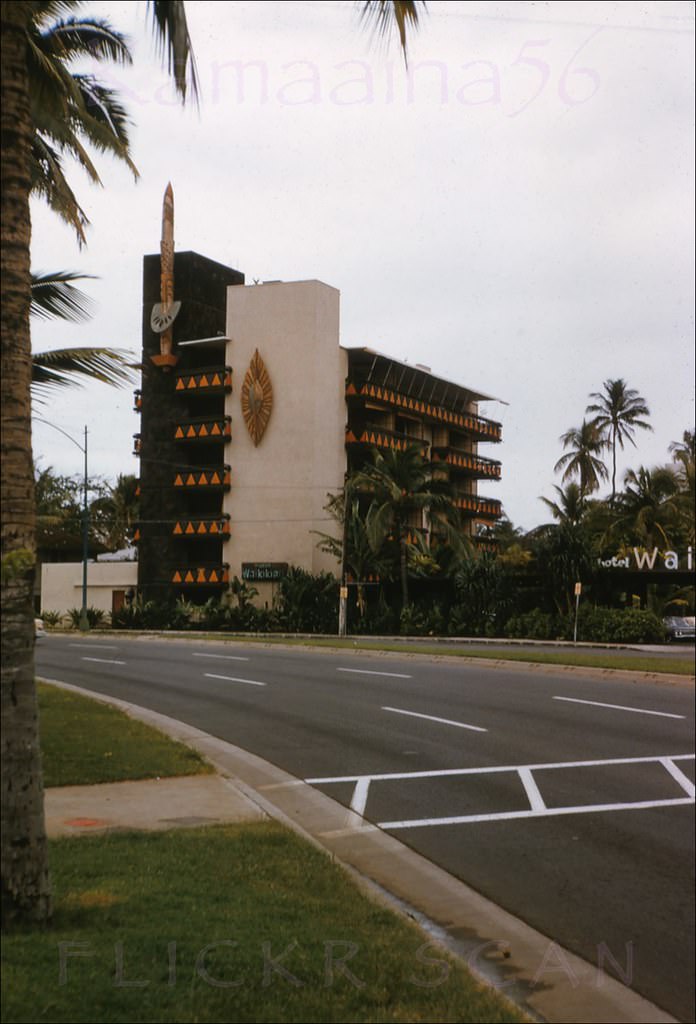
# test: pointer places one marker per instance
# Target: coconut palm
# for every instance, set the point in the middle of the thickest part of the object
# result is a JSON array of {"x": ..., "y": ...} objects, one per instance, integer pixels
[
  {"x": 54, "y": 296},
  {"x": 647, "y": 509},
  {"x": 570, "y": 507},
  {"x": 582, "y": 459},
  {"x": 618, "y": 411},
  {"x": 25, "y": 887},
  {"x": 25, "y": 883},
  {"x": 402, "y": 488}
]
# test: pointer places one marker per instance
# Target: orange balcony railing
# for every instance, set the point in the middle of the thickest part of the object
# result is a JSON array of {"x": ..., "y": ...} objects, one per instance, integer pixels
[
  {"x": 204, "y": 429},
  {"x": 208, "y": 379},
  {"x": 479, "y": 426},
  {"x": 200, "y": 575},
  {"x": 208, "y": 479},
  {"x": 380, "y": 437},
  {"x": 199, "y": 529}
]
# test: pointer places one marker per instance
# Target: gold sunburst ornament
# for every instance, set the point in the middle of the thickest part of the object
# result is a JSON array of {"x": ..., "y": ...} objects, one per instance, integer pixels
[{"x": 257, "y": 398}]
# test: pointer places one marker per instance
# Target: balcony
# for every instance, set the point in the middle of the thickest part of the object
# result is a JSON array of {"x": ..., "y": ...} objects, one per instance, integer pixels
[
  {"x": 483, "y": 508},
  {"x": 137, "y": 401},
  {"x": 478, "y": 426},
  {"x": 473, "y": 465},
  {"x": 204, "y": 429},
  {"x": 211, "y": 479},
  {"x": 202, "y": 529},
  {"x": 209, "y": 380},
  {"x": 217, "y": 575},
  {"x": 380, "y": 437},
  {"x": 137, "y": 445}
]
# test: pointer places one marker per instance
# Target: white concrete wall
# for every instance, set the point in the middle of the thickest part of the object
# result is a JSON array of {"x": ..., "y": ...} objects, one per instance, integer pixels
[
  {"x": 279, "y": 488},
  {"x": 61, "y": 584}
]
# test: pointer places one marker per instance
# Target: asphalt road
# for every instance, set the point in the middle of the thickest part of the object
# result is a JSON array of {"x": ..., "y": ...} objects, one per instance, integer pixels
[{"x": 566, "y": 798}]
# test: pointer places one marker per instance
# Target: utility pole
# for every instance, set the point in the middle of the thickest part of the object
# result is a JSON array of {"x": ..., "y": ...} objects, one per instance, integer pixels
[{"x": 84, "y": 621}]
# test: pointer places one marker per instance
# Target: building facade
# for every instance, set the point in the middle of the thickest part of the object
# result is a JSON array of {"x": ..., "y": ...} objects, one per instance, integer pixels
[{"x": 252, "y": 414}]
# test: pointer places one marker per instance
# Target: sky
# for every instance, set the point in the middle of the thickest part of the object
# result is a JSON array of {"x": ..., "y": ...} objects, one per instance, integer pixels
[{"x": 515, "y": 210}]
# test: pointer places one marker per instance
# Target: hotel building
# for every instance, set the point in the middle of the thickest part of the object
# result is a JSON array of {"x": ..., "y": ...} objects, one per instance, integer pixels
[{"x": 252, "y": 415}]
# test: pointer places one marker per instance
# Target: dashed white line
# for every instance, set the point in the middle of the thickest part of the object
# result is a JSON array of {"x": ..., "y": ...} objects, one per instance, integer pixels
[
  {"x": 433, "y": 718},
  {"x": 224, "y": 657},
  {"x": 371, "y": 672},
  {"x": 618, "y": 707},
  {"x": 234, "y": 679},
  {"x": 96, "y": 647},
  {"x": 105, "y": 661}
]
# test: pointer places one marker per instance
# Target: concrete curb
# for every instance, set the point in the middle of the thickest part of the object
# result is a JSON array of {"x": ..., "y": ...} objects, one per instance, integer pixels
[{"x": 548, "y": 982}]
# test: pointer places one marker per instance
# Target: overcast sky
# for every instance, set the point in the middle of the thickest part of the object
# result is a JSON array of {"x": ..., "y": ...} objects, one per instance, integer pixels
[{"x": 517, "y": 212}]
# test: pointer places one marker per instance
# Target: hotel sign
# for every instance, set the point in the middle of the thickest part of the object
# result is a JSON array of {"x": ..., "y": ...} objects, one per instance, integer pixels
[
  {"x": 264, "y": 572},
  {"x": 649, "y": 561}
]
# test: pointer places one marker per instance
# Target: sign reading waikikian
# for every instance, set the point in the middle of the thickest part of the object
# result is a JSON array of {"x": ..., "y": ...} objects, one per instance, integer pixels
[
  {"x": 264, "y": 572},
  {"x": 647, "y": 561}
]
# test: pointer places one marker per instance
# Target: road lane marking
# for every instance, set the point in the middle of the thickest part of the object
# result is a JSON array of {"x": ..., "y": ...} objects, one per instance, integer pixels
[
  {"x": 96, "y": 647},
  {"x": 370, "y": 672},
  {"x": 679, "y": 776},
  {"x": 538, "y": 808},
  {"x": 433, "y": 718},
  {"x": 492, "y": 769},
  {"x": 549, "y": 812},
  {"x": 234, "y": 679},
  {"x": 536, "y": 801},
  {"x": 618, "y": 707},
  {"x": 359, "y": 800},
  {"x": 105, "y": 661},
  {"x": 225, "y": 657}
]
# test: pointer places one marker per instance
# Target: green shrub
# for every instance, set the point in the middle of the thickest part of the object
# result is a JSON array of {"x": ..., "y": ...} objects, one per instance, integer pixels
[
  {"x": 307, "y": 603},
  {"x": 51, "y": 619},
  {"x": 421, "y": 620},
  {"x": 95, "y": 617},
  {"x": 533, "y": 625}
]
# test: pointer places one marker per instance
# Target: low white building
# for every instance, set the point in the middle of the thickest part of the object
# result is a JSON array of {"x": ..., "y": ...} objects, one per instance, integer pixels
[{"x": 107, "y": 585}]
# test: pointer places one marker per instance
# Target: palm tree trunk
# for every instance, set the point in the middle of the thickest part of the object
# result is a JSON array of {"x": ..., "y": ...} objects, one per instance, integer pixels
[
  {"x": 25, "y": 883},
  {"x": 613, "y": 468},
  {"x": 403, "y": 559}
]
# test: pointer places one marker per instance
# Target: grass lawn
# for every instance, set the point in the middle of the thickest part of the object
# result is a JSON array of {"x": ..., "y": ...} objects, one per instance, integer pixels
[
  {"x": 236, "y": 923},
  {"x": 584, "y": 659},
  {"x": 233, "y": 923},
  {"x": 84, "y": 742}
]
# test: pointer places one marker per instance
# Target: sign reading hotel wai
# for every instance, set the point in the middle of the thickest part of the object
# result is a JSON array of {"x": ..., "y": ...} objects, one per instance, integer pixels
[
  {"x": 650, "y": 561},
  {"x": 264, "y": 572}
]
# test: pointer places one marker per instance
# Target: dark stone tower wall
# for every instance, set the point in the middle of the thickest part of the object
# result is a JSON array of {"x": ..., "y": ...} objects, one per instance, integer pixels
[{"x": 201, "y": 286}]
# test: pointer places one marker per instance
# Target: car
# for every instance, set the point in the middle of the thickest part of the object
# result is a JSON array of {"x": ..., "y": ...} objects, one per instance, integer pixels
[
  {"x": 680, "y": 627},
  {"x": 39, "y": 628}
]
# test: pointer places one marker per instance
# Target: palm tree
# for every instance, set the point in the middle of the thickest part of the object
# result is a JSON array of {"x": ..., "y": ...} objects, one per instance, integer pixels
[
  {"x": 582, "y": 460},
  {"x": 402, "y": 487},
  {"x": 25, "y": 882},
  {"x": 570, "y": 507},
  {"x": 647, "y": 510},
  {"x": 618, "y": 411},
  {"x": 25, "y": 887},
  {"x": 54, "y": 296}
]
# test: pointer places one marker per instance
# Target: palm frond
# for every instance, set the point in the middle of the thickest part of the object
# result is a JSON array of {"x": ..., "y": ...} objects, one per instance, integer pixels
[
  {"x": 387, "y": 15},
  {"x": 65, "y": 367},
  {"x": 174, "y": 45},
  {"x": 54, "y": 297},
  {"x": 92, "y": 37}
]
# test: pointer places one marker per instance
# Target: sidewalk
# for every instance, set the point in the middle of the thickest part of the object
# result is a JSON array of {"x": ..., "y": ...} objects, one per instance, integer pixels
[{"x": 153, "y": 805}]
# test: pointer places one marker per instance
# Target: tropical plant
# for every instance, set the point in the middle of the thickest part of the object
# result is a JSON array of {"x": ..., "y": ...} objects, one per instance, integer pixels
[
  {"x": 25, "y": 882},
  {"x": 71, "y": 111},
  {"x": 54, "y": 296},
  {"x": 582, "y": 460},
  {"x": 402, "y": 488},
  {"x": 571, "y": 505},
  {"x": 647, "y": 509},
  {"x": 95, "y": 617},
  {"x": 113, "y": 515},
  {"x": 617, "y": 412}
]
